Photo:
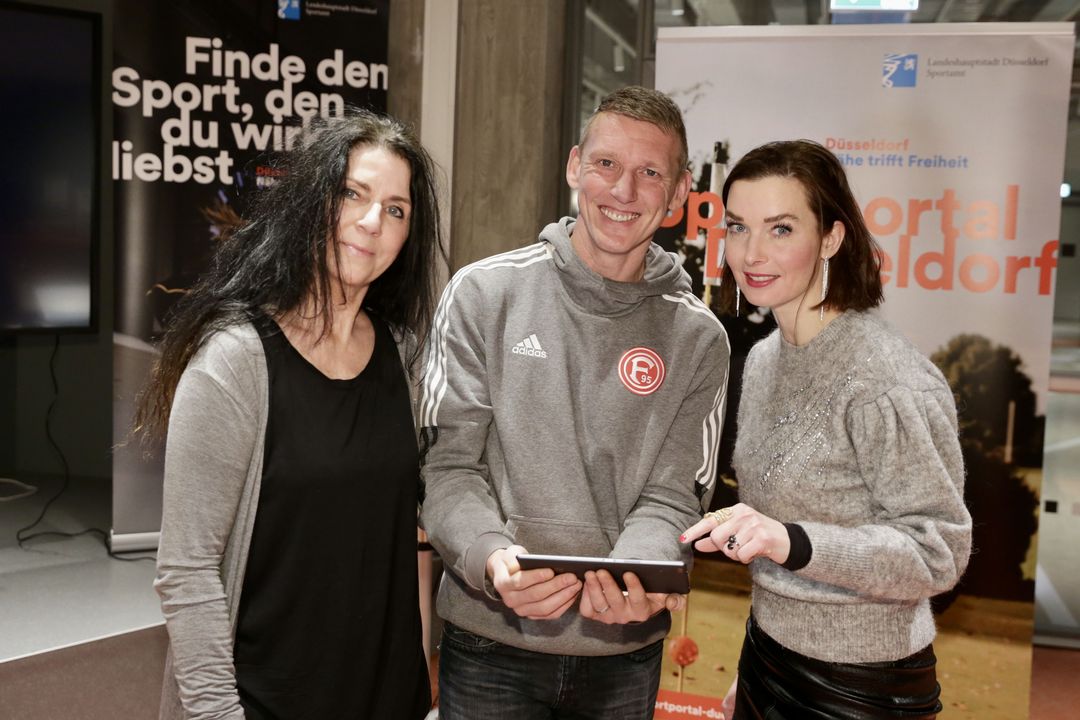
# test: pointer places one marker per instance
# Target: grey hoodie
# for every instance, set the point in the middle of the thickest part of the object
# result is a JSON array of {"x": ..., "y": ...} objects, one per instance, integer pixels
[{"x": 569, "y": 414}]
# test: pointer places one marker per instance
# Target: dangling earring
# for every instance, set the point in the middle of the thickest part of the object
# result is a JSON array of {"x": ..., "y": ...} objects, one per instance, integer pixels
[
  {"x": 824, "y": 288},
  {"x": 736, "y": 299}
]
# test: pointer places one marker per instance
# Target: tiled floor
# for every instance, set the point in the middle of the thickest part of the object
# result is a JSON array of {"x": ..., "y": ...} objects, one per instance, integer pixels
[{"x": 57, "y": 592}]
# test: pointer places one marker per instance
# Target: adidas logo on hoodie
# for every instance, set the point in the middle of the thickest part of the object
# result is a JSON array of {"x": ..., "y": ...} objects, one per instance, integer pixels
[{"x": 530, "y": 347}]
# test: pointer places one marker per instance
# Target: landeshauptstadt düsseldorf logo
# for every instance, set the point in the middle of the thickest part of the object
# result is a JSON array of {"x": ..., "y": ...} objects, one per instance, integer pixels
[
  {"x": 900, "y": 70},
  {"x": 641, "y": 371},
  {"x": 288, "y": 9}
]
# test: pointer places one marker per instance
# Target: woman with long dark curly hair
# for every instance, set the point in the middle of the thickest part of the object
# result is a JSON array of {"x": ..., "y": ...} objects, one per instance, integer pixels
[{"x": 286, "y": 567}]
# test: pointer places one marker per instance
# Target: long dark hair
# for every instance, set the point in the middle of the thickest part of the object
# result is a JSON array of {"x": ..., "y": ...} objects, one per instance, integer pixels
[
  {"x": 855, "y": 269},
  {"x": 277, "y": 259}
]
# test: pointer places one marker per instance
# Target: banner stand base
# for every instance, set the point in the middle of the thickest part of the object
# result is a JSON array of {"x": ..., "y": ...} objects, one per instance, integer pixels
[{"x": 133, "y": 542}]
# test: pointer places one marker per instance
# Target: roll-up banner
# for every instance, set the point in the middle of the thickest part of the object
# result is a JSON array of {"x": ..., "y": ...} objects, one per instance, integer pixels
[
  {"x": 203, "y": 92},
  {"x": 953, "y": 137}
]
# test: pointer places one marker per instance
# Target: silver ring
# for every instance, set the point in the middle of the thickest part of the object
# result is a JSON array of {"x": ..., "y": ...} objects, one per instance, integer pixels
[
  {"x": 732, "y": 542},
  {"x": 601, "y": 612}
]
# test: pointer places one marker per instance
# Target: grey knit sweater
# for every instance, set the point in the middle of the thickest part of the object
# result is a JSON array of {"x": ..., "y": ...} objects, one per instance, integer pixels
[{"x": 854, "y": 437}]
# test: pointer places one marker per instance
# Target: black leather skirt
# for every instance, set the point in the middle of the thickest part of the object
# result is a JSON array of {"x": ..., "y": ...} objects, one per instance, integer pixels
[{"x": 778, "y": 684}]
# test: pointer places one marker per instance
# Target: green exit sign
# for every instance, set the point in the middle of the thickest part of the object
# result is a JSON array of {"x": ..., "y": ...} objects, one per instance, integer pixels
[{"x": 841, "y": 5}]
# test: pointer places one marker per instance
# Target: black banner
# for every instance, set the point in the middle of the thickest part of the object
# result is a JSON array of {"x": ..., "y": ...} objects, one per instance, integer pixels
[{"x": 204, "y": 92}]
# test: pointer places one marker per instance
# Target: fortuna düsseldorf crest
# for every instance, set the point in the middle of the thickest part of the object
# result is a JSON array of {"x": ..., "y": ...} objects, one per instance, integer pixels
[{"x": 641, "y": 371}]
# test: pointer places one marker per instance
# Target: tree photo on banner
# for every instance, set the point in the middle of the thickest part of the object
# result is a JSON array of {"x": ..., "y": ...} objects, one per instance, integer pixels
[
  {"x": 204, "y": 94},
  {"x": 961, "y": 189}
]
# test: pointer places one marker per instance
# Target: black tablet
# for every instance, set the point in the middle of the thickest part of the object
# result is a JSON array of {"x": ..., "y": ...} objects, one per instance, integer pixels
[{"x": 656, "y": 576}]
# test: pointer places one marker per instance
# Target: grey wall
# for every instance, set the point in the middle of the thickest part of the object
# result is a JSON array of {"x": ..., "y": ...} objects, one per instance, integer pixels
[
  {"x": 509, "y": 163},
  {"x": 406, "y": 59}
]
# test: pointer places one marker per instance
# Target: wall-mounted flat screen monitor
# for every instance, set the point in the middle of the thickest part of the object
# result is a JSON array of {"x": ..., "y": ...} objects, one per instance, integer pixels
[{"x": 50, "y": 69}]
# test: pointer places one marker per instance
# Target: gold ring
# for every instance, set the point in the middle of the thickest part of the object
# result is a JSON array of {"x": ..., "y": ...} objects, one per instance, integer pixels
[{"x": 721, "y": 516}]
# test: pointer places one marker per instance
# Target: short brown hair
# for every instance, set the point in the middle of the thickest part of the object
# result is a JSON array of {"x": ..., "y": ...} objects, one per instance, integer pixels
[
  {"x": 646, "y": 105},
  {"x": 855, "y": 269}
]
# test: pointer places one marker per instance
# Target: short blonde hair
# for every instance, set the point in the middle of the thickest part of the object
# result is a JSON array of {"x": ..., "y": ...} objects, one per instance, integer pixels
[{"x": 646, "y": 105}]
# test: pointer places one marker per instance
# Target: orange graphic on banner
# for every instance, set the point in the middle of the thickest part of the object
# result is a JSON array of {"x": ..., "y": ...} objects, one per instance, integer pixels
[
  {"x": 947, "y": 267},
  {"x": 711, "y": 223},
  {"x": 671, "y": 705}
]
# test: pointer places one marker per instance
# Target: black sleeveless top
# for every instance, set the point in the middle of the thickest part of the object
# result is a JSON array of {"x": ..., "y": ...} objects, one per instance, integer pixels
[{"x": 329, "y": 622}]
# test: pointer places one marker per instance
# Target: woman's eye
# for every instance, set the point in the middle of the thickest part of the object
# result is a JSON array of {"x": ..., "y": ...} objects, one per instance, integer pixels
[
  {"x": 348, "y": 194},
  {"x": 396, "y": 211},
  {"x": 735, "y": 228},
  {"x": 782, "y": 230}
]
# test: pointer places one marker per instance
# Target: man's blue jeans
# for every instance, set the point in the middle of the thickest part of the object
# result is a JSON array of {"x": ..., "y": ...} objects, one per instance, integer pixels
[{"x": 480, "y": 679}]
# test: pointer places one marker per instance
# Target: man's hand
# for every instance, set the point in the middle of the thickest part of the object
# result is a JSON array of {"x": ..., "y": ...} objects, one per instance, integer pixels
[
  {"x": 604, "y": 602},
  {"x": 535, "y": 594}
]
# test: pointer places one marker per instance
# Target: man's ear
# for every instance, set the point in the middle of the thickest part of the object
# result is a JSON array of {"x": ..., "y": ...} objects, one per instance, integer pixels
[
  {"x": 573, "y": 167},
  {"x": 682, "y": 191}
]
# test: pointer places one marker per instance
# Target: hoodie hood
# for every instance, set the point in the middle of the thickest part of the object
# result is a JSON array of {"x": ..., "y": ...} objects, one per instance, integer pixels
[{"x": 595, "y": 293}]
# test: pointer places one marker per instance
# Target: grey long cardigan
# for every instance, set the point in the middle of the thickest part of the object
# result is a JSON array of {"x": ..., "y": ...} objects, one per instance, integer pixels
[{"x": 213, "y": 469}]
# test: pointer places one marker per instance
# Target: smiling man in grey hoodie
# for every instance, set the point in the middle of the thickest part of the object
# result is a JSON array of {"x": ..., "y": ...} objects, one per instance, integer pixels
[{"x": 572, "y": 402}]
